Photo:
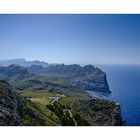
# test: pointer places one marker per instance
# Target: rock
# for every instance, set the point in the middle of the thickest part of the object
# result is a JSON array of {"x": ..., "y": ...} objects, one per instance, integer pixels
[
  {"x": 16, "y": 110},
  {"x": 100, "y": 112},
  {"x": 8, "y": 106},
  {"x": 87, "y": 78}
]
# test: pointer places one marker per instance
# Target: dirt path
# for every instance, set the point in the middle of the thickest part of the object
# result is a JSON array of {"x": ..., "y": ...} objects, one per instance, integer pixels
[{"x": 71, "y": 115}]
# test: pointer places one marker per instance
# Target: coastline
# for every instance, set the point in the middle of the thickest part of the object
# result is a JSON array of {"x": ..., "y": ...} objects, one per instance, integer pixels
[{"x": 98, "y": 95}]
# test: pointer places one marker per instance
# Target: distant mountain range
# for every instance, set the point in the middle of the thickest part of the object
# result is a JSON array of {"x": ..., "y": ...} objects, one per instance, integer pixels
[
  {"x": 22, "y": 62},
  {"x": 85, "y": 78}
]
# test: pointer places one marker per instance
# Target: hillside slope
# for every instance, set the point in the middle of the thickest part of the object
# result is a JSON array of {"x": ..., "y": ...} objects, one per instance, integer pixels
[
  {"x": 16, "y": 110},
  {"x": 52, "y": 109}
]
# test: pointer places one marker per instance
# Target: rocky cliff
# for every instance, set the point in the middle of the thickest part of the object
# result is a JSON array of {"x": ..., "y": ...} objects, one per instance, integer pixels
[
  {"x": 87, "y": 78},
  {"x": 16, "y": 110}
]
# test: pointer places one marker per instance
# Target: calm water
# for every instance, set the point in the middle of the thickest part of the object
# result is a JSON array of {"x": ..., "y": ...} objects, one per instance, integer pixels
[{"x": 124, "y": 82}]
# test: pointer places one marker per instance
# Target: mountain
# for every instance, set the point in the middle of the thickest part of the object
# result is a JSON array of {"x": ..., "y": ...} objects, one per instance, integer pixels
[
  {"x": 22, "y": 62},
  {"x": 46, "y": 108},
  {"x": 21, "y": 79},
  {"x": 84, "y": 78},
  {"x": 16, "y": 110},
  {"x": 54, "y": 96},
  {"x": 14, "y": 72},
  {"x": 87, "y": 77}
]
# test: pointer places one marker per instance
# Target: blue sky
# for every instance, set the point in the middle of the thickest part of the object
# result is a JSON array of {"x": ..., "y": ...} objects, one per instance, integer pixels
[{"x": 82, "y": 39}]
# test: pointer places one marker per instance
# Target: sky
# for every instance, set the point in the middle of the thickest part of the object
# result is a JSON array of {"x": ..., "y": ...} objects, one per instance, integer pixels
[{"x": 81, "y": 39}]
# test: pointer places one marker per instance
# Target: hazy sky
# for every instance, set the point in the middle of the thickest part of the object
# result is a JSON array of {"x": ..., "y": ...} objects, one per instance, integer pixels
[{"x": 83, "y": 39}]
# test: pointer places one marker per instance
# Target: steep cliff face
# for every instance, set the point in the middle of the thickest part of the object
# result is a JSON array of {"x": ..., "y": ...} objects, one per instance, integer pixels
[
  {"x": 87, "y": 78},
  {"x": 16, "y": 110},
  {"x": 93, "y": 79},
  {"x": 8, "y": 106}
]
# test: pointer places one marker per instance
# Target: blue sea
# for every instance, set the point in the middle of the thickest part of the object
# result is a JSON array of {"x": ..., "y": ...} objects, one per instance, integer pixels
[{"x": 124, "y": 82}]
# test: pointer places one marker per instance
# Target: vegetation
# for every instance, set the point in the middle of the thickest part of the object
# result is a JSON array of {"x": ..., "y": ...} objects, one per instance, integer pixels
[
  {"x": 84, "y": 112},
  {"x": 52, "y": 99}
]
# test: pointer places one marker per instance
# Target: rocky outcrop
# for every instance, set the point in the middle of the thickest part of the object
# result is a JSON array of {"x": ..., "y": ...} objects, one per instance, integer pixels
[
  {"x": 16, "y": 110},
  {"x": 101, "y": 112},
  {"x": 93, "y": 79},
  {"x": 8, "y": 106}
]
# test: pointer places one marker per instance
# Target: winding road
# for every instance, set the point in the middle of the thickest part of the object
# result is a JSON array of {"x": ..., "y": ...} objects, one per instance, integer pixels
[{"x": 56, "y": 99}]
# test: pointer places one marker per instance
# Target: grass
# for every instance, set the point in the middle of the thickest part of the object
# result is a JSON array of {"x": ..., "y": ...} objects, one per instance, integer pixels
[
  {"x": 41, "y": 99},
  {"x": 37, "y": 94},
  {"x": 85, "y": 112}
]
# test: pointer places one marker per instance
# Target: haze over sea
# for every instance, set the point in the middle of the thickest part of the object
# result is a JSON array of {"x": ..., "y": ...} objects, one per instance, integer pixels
[{"x": 124, "y": 82}]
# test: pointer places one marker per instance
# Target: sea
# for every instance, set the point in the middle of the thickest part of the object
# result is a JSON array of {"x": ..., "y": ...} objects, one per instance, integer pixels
[{"x": 124, "y": 83}]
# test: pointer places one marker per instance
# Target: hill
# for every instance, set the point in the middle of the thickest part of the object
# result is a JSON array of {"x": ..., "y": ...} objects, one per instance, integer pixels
[
  {"x": 16, "y": 110},
  {"x": 46, "y": 108}
]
